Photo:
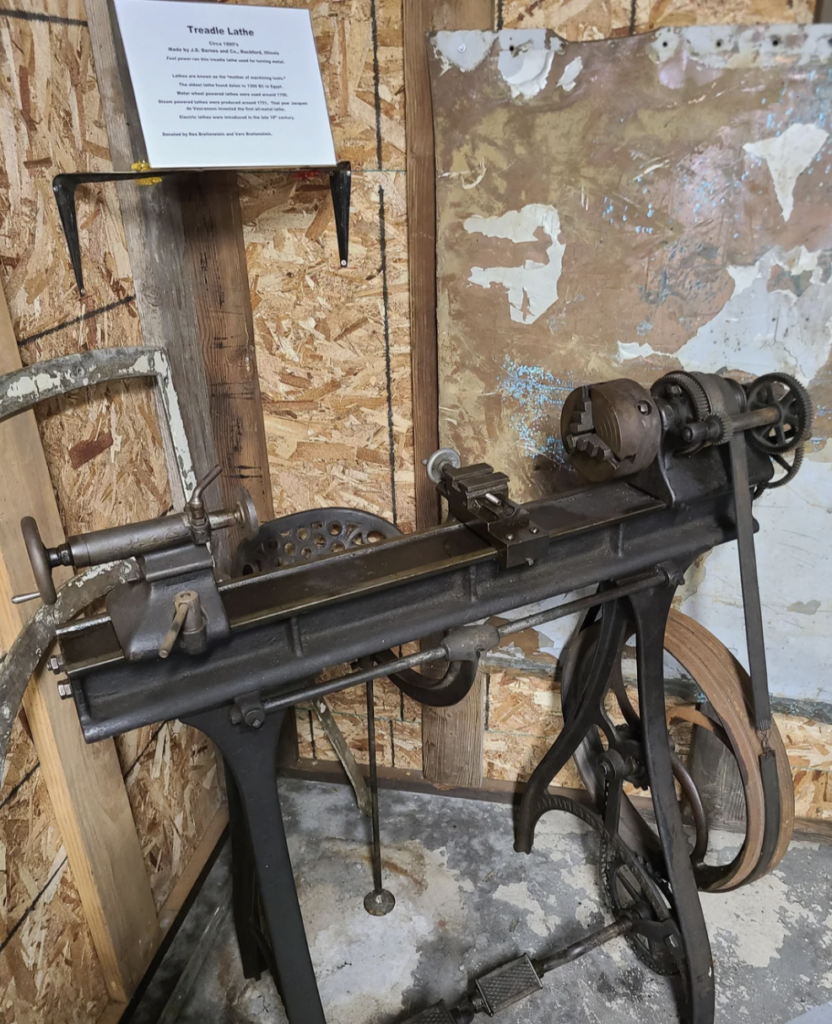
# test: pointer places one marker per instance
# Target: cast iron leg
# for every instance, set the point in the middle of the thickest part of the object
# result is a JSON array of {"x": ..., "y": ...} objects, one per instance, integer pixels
[
  {"x": 244, "y": 895},
  {"x": 610, "y": 640},
  {"x": 650, "y": 611},
  {"x": 251, "y": 756}
]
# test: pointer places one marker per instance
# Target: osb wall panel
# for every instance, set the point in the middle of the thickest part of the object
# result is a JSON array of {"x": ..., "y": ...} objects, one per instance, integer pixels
[
  {"x": 48, "y": 965},
  {"x": 584, "y": 20},
  {"x": 333, "y": 344},
  {"x": 173, "y": 790},
  {"x": 48, "y": 968}
]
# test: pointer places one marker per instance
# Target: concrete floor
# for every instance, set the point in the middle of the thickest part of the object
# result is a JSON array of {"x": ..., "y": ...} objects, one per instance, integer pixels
[{"x": 467, "y": 901}]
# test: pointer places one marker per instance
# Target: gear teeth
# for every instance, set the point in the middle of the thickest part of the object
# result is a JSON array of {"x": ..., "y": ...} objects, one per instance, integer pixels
[
  {"x": 797, "y": 394},
  {"x": 726, "y": 427}
]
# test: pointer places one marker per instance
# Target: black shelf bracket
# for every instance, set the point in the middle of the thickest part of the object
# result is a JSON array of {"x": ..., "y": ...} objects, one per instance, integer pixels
[{"x": 64, "y": 187}]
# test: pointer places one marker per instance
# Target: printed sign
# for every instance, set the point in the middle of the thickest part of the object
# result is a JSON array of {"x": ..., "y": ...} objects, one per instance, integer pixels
[{"x": 221, "y": 85}]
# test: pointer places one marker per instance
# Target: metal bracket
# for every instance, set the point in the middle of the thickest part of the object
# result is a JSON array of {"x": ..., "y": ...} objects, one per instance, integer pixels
[
  {"x": 141, "y": 613},
  {"x": 64, "y": 187},
  {"x": 478, "y": 497},
  {"x": 248, "y": 710}
]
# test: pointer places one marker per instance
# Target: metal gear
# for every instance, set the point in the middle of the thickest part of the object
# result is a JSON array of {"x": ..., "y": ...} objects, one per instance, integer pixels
[
  {"x": 791, "y": 470},
  {"x": 726, "y": 427},
  {"x": 627, "y": 882},
  {"x": 795, "y": 425},
  {"x": 695, "y": 394}
]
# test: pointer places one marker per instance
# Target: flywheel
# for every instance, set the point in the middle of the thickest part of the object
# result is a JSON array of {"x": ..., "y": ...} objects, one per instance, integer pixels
[{"x": 726, "y": 687}]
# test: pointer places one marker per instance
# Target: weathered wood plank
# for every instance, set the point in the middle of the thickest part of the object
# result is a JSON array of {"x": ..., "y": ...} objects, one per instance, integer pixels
[
  {"x": 84, "y": 782},
  {"x": 452, "y": 737},
  {"x": 185, "y": 242}
]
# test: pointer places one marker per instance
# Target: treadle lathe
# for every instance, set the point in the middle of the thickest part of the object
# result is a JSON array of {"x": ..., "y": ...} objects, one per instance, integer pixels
[{"x": 671, "y": 472}]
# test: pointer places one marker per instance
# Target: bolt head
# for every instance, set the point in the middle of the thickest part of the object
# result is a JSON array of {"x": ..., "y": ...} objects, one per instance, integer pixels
[
  {"x": 55, "y": 664},
  {"x": 255, "y": 718},
  {"x": 64, "y": 690},
  {"x": 509, "y": 536},
  {"x": 644, "y": 408}
]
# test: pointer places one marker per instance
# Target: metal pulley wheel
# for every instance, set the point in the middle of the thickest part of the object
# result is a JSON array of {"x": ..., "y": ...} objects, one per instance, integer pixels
[
  {"x": 792, "y": 399},
  {"x": 726, "y": 686}
]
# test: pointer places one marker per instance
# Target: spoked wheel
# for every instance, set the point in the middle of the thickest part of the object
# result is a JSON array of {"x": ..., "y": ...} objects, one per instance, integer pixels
[
  {"x": 631, "y": 889},
  {"x": 726, "y": 687}
]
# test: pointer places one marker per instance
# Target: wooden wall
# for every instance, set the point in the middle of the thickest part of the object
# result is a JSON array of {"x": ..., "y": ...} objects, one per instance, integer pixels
[{"x": 104, "y": 455}]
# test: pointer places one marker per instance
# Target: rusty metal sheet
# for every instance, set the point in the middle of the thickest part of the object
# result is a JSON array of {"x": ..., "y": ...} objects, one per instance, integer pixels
[{"x": 627, "y": 207}]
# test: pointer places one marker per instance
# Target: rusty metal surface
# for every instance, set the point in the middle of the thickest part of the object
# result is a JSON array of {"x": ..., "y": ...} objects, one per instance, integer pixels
[{"x": 619, "y": 207}]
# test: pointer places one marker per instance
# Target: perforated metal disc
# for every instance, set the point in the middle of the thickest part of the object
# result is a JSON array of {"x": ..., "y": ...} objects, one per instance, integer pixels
[{"x": 305, "y": 536}]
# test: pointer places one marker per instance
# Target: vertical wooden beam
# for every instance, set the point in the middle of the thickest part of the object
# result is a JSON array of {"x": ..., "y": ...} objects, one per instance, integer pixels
[
  {"x": 185, "y": 241},
  {"x": 451, "y": 737},
  {"x": 84, "y": 782}
]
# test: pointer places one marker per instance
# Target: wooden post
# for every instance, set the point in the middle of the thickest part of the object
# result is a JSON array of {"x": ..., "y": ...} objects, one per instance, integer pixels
[
  {"x": 84, "y": 782},
  {"x": 185, "y": 241},
  {"x": 451, "y": 737}
]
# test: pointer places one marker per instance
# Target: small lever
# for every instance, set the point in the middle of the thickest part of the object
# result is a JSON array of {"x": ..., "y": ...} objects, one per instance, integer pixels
[{"x": 188, "y": 618}]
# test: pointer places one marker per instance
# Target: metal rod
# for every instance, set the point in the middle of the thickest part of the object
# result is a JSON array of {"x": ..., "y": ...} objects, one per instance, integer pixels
[
  {"x": 754, "y": 635},
  {"x": 286, "y": 700},
  {"x": 582, "y": 603},
  {"x": 767, "y": 416},
  {"x": 584, "y": 945},
  {"x": 371, "y": 740},
  {"x": 378, "y": 902}
]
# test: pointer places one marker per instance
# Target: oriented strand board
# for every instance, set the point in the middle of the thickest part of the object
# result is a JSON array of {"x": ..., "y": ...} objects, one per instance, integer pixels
[
  {"x": 51, "y": 123},
  {"x": 30, "y": 848},
  {"x": 336, "y": 435},
  {"x": 652, "y": 14},
  {"x": 48, "y": 969},
  {"x": 585, "y": 20},
  {"x": 576, "y": 20},
  {"x": 174, "y": 795}
]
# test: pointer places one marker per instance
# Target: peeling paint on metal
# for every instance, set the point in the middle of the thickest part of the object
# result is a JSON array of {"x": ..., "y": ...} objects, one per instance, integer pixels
[
  {"x": 761, "y": 327},
  {"x": 463, "y": 50},
  {"x": 570, "y": 74},
  {"x": 526, "y": 59},
  {"x": 788, "y": 155},
  {"x": 533, "y": 287},
  {"x": 723, "y": 47}
]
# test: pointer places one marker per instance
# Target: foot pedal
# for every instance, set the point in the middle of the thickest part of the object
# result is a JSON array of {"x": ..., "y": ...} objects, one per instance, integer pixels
[
  {"x": 508, "y": 984},
  {"x": 436, "y": 1014}
]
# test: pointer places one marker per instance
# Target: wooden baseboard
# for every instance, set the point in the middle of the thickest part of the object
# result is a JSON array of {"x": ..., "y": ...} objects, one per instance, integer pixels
[{"x": 498, "y": 791}]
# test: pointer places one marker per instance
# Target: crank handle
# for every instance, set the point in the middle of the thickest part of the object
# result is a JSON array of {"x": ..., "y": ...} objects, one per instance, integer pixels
[{"x": 189, "y": 621}]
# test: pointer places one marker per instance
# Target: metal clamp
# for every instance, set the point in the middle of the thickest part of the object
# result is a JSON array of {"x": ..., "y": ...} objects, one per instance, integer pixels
[{"x": 478, "y": 497}]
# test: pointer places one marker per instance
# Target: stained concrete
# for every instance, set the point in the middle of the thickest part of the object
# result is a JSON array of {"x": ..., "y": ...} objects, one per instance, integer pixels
[{"x": 467, "y": 901}]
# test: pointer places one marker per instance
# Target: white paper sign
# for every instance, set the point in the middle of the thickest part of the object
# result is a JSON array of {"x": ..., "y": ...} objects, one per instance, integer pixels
[{"x": 221, "y": 85}]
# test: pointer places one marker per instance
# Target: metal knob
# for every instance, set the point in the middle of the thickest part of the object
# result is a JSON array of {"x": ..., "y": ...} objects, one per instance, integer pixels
[
  {"x": 43, "y": 560},
  {"x": 441, "y": 459}
]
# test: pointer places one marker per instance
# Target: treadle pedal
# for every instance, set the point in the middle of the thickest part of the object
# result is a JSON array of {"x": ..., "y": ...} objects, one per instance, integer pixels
[
  {"x": 508, "y": 984},
  {"x": 436, "y": 1014}
]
